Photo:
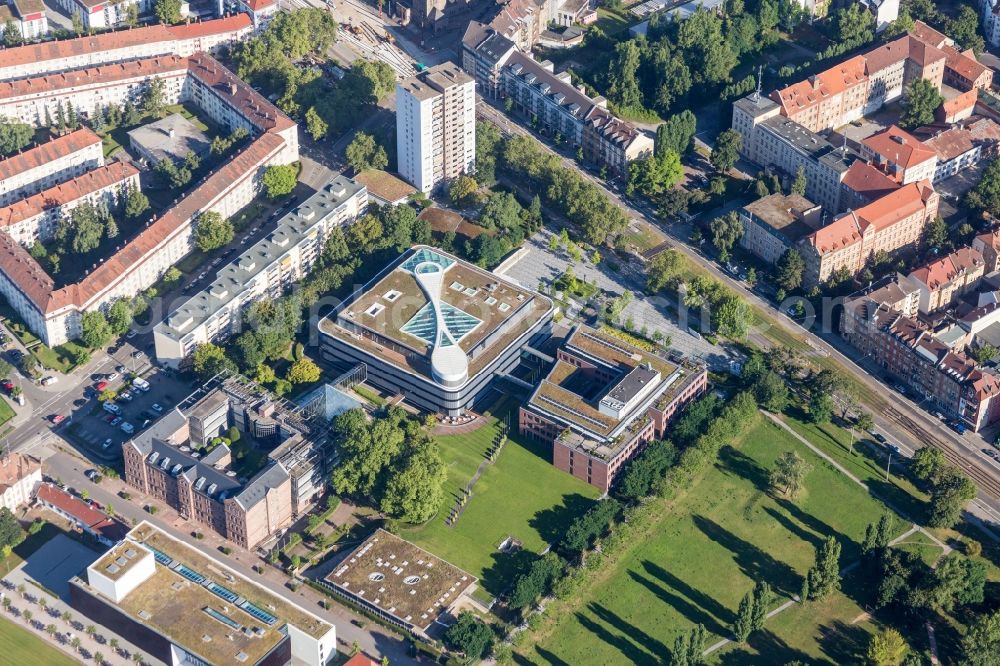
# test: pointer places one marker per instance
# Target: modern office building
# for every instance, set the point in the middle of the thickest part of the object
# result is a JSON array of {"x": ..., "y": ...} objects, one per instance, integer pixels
[
  {"x": 774, "y": 224},
  {"x": 264, "y": 270},
  {"x": 603, "y": 401},
  {"x": 434, "y": 329},
  {"x": 436, "y": 126},
  {"x": 183, "y": 607},
  {"x": 176, "y": 462}
]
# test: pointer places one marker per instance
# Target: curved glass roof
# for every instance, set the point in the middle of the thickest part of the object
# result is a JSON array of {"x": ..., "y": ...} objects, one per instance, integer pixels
[
  {"x": 423, "y": 324},
  {"x": 426, "y": 255}
]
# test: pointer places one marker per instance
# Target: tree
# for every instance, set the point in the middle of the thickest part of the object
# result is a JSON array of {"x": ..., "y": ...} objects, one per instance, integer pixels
[
  {"x": 790, "y": 270},
  {"x": 732, "y": 317},
  {"x": 27, "y": 615},
  {"x": 168, "y": 11},
  {"x": 743, "y": 626},
  {"x": 12, "y": 34},
  {"x": 136, "y": 203},
  {"x": 488, "y": 140},
  {"x": 536, "y": 581},
  {"x": 315, "y": 125},
  {"x": 95, "y": 331},
  {"x": 676, "y": 133},
  {"x": 824, "y": 577},
  {"x": 887, "y": 648},
  {"x": 772, "y": 392},
  {"x": 364, "y": 153},
  {"x": 855, "y": 25},
  {"x": 120, "y": 317},
  {"x": 964, "y": 29},
  {"x": 726, "y": 150},
  {"x": 763, "y": 597},
  {"x": 922, "y": 100},
  {"x": 212, "y": 231},
  {"x": 949, "y": 497},
  {"x": 688, "y": 648},
  {"x": 14, "y": 136},
  {"x": 789, "y": 473},
  {"x": 415, "y": 490},
  {"x": 303, "y": 371},
  {"x": 623, "y": 82},
  {"x": 463, "y": 191},
  {"x": 726, "y": 232},
  {"x": 11, "y": 533},
  {"x": 209, "y": 360},
  {"x": 928, "y": 464},
  {"x": 375, "y": 78},
  {"x": 279, "y": 180},
  {"x": 153, "y": 96},
  {"x": 655, "y": 174},
  {"x": 469, "y": 635},
  {"x": 956, "y": 581},
  {"x": 981, "y": 643},
  {"x": 800, "y": 182}
]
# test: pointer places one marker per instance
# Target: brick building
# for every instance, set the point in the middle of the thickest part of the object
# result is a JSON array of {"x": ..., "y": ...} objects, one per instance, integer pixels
[{"x": 603, "y": 401}]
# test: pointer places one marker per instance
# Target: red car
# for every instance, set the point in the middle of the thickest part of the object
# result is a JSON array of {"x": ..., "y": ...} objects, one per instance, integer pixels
[
  {"x": 100, "y": 386},
  {"x": 8, "y": 385},
  {"x": 58, "y": 418},
  {"x": 109, "y": 418}
]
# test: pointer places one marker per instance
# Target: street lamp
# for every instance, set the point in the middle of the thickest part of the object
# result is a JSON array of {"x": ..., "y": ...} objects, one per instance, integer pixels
[{"x": 889, "y": 462}]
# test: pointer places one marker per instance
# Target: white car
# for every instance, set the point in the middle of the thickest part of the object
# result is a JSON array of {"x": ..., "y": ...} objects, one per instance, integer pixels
[
  {"x": 112, "y": 377},
  {"x": 49, "y": 380},
  {"x": 157, "y": 408},
  {"x": 127, "y": 428}
]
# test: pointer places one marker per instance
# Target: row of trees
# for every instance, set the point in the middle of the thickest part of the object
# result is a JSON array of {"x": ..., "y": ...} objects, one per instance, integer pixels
[
  {"x": 390, "y": 461},
  {"x": 14, "y": 136}
]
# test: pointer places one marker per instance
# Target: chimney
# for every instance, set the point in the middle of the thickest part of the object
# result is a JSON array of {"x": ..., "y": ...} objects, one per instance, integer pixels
[
  {"x": 232, "y": 88},
  {"x": 814, "y": 80}
]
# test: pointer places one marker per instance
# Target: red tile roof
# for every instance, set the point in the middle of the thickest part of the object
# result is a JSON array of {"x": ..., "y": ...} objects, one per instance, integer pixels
[
  {"x": 845, "y": 230},
  {"x": 122, "y": 71},
  {"x": 951, "y": 143},
  {"x": 820, "y": 87},
  {"x": 48, "y": 152},
  {"x": 868, "y": 181},
  {"x": 942, "y": 271},
  {"x": 234, "y": 23},
  {"x": 927, "y": 34},
  {"x": 887, "y": 54},
  {"x": 15, "y": 467},
  {"x": 64, "y": 193},
  {"x": 227, "y": 85},
  {"x": 258, "y": 5},
  {"x": 120, "y": 39},
  {"x": 899, "y": 147},
  {"x": 361, "y": 659},
  {"x": 967, "y": 67},
  {"x": 880, "y": 214},
  {"x": 96, "y": 520}
]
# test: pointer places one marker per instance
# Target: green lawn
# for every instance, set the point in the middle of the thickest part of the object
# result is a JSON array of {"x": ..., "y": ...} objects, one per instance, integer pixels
[
  {"x": 61, "y": 358},
  {"x": 521, "y": 495},
  {"x": 708, "y": 550},
  {"x": 19, "y": 646},
  {"x": 6, "y": 411}
]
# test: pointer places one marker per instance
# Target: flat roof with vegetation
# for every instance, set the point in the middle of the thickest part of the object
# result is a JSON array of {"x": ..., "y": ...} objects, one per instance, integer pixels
[{"x": 400, "y": 579}]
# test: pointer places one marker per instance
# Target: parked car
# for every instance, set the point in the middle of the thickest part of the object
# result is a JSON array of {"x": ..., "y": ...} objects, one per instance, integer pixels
[
  {"x": 157, "y": 408},
  {"x": 112, "y": 408},
  {"x": 91, "y": 474},
  {"x": 957, "y": 426},
  {"x": 100, "y": 386},
  {"x": 115, "y": 421},
  {"x": 120, "y": 369},
  {"x": 112, "y": 376},
  {"x": 126, "y": 396},
  {"x": 108, "y": 418},
  {"x": 127, "y": 428},
  {"x": 58, "y": 418},
  {"x": 107, "y": 444},
  {"x": 879, "y": 437},
  {"x": 49, "y": 380},
  {"x": 131, "y": 334},
  {"x": 8, "y": 385},
  {"x": 89, "y": 392},
  {"x": 893, "y": 448}
]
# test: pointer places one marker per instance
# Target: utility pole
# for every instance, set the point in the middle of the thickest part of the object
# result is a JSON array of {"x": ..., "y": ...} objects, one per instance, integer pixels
[{"x": 889, "y": 462}]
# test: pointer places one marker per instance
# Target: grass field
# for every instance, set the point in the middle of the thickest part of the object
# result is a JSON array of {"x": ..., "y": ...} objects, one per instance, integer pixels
[
  {"x": 521, "y": 495},
  {"x": 707, "y": 551},
  {"x": 6, "y": 411},
  {"x": 19, "y": 646}
]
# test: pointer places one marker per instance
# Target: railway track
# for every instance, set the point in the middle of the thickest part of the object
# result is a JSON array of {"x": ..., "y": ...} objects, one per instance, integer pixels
[{"x": 984, "y": 480}]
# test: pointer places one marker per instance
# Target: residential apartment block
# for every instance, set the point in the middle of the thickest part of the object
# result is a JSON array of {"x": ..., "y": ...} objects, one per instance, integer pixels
[
  {"x": 265, "y": 270},
  {"x": 892, "y": 223},
  {"x": 27, "y": 16},
  {"x": 122, "y": 45},
  {"x": 908, "y": 350},
  {"x": 20, "y": 477},
  {"x": 436, "y": 126},
  {"x": 36, "y": 169},
  {"x": 603, "y": 401},
  {"x": 38, "y": 216},
  {"x": 54, "y": 313},
  {"x": 98, "y": 14},
  {"x": 941, "y": 282},
  {"x": 774, "y": 224}
]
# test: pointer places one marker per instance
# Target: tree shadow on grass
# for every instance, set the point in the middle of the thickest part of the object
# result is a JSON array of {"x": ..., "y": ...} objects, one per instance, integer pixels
[
  {"x": 690, "y": 611},
  {"x": 794, "y": 528},
  {"x": 551, "y": 523},
  {"x": 721, "y": 613},
  {"x": 743, "y": 466},
  {"x": 548, "y": 657},
  {"x": 651, "y": 643},
  {"x": 500, "y": 576},
  {"x": 844, "y": 643},
  {"x": 633, "y": 653},
  {"x": 752, "y": 561},
  {"x": 817, "y": 525},
  {"x": 770, "y": 650}
]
